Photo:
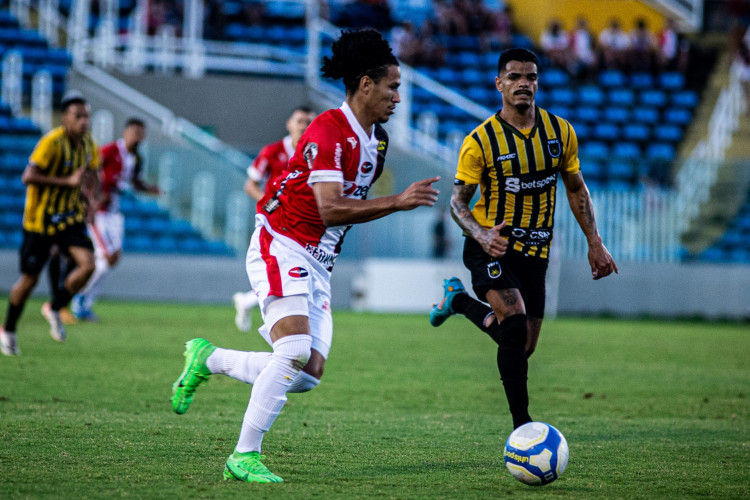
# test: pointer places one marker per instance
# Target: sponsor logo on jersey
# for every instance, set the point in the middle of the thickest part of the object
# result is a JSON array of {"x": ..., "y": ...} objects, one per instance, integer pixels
[
  {"x": 366, "y": 167},
  {"x": 337, "y": 156},
  {"x": 298, "y": 272},
  {"x": 493, "y": 269},
  {"x": 325, "y": 258},
  {"x": 351, "y": 190},
  {"x": 518, "y": 232},
  {"x": 381, "y": 146},
  {"x": 310, "y": 153},
  {"x": 514, "y": 184},
  {"x": 554, "y": 147},
  {"x": 509, "y": 156},
  {"x": 352, "y": 141}
]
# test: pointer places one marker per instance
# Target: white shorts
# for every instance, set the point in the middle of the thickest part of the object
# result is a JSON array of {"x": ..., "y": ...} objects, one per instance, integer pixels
[
  {"x": 279, "y": 267},
  {"x": 107, "y": 232}
]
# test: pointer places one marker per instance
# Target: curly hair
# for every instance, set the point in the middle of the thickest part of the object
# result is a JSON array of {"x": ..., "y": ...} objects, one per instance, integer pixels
[
  {"x": 515, "y": 54},
  {"x": 358, "y": 53}
]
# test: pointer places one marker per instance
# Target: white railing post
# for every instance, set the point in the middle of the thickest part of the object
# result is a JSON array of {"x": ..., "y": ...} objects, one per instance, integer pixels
[
  {"x": 20, "y": 10},
  {"x": 135, "y": 53},
  {"x": 78, "y": 30},
  {"x": 194, "y": 51},
  {"x": 48, "y": 21},
  {"x": 13, "y": 81},
  {"x": 103, "y": 126},
  {"x": 168, "y": 180},
  {"x": 202, "y": 216},
  {"x": 166, "y": 58},
  {"x": 41, "y": 100},
  {"x": 237, "y": 221}
]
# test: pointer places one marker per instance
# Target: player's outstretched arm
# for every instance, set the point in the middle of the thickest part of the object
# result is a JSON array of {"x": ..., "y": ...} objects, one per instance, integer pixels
[
  {"x": 337, "y": 210},
  {"x": 492, "y": 243},
  {"x": 601, "y": 262},
  {"x": 33, "y": 175}
]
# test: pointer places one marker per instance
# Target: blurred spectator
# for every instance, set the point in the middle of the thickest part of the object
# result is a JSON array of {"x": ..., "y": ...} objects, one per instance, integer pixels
[
  {"x": 366, "y": 13},
  {"x": 582, "y": 45},
  {"x": 448, "y": 19},
  {"x": 668, "y": 45},
  {"x": 477, "y": 16},
  {"x": 440, "y": 242},
  {"x": 642, "y": 47},
  {"x": 614, "y": 44},
  {"x": 406, "y": 43},
  {"x": 252, "y": 13},
  {"x": 556, "y": 44},
  {"x": 431, "y": 52},
  {"x": 499, "y": 34},
  {"x": 161, "y": 12}
]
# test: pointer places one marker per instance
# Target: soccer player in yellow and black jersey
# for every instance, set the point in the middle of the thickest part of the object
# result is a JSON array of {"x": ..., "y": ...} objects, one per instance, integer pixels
[
  {"x": 514, "y": 157},
  {"x": 54, "y": 215}
]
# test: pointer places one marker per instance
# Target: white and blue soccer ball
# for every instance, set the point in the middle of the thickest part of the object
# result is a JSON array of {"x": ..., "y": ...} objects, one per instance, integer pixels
[{"x": 536, "y": 453}]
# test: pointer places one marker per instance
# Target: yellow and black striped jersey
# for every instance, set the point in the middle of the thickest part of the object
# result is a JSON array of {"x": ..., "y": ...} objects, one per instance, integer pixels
[
  {"x": 516, "y": 171},
  {"x": 50, "y": 209}
]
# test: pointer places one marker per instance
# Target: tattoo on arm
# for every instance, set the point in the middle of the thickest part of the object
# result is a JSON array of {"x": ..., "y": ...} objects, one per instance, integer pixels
[{"x": 460, "y": 209}]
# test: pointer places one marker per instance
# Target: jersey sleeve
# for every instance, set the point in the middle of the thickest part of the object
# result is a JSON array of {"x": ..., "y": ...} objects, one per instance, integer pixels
[
  {"x": 570, "y": 162},
  {"x": 323, "y": 152},
  {"x": 470, "y": 162},
  {"x": 257, "y": 170},
  {"x": 96, "y": 161},
  {"x": 44, "y": 153}
]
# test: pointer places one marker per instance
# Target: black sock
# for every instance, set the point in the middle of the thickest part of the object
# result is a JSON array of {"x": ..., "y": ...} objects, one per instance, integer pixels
[
  {"x": 475, "y": 311},
  {"x": 53, "y": 271},
  {"x": 14, "y": 312},
  {"x": 513, "y": 366},
  {"x": 61, "y": 299}
]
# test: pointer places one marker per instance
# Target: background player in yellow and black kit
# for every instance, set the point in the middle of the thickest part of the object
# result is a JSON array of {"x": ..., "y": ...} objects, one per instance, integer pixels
[
  {"x": 54, "y": 215},
  {"x": 514, "y": 157}
]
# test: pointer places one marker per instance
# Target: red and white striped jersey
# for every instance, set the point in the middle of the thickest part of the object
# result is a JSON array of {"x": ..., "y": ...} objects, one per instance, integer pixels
[{"x": 334, "y": 148}]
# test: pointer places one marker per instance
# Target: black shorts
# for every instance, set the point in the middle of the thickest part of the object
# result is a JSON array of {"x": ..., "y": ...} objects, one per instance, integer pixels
[
  {"x": 512, "y": 270},
  {"x": 36, "y": 247}
]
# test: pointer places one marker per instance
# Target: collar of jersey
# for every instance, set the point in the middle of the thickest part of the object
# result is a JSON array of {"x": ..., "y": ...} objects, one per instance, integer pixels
[
  {"x": 356, "y": 126},
  {"x": 515, "y": 130}
]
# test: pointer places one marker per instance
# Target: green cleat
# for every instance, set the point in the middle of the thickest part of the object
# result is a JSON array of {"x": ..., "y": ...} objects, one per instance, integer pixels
[
  {"x": 248, "y": 467},
  {"x": 196, "y": 372},
  {"x": 444, "y": 310}
]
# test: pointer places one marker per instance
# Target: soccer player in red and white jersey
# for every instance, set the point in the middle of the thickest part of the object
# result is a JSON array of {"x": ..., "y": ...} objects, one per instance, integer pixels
[
  {"x": 300, "y": 224},
  {"x": 270, "y": 163},
  {"x": 121, "y": 171}
]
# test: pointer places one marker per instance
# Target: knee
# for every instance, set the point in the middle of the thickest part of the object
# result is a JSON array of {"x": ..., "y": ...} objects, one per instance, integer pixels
[
  {"x": 316, "y": 365},
  {"x": 295, "y": 348}
]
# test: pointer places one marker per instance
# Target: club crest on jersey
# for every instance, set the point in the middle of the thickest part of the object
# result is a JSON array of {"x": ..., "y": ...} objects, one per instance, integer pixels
[
  {"x": 310, "y": 153},
  {"x": 493, "y": 269},
  {"x": 352, "y": 141},
  {"x": 298, "y": 272},
  {"x": 554, "y": 147},
  {"x": 366, "y": 167}
]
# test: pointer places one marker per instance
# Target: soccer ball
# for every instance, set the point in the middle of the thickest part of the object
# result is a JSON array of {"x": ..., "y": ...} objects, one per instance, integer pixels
[{"x": 536, "y": 453}]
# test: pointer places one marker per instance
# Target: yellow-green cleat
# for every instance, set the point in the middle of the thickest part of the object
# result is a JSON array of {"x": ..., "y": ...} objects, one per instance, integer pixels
[
  {"x": 195, "y": 373},
  {"x": 248, "y": 467}
]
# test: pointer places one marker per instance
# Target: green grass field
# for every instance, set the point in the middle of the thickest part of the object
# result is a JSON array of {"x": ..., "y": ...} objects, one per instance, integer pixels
[{"x": 650, "y": 410}]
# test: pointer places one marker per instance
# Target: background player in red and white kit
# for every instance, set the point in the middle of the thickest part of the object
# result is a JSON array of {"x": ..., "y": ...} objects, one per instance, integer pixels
[
  {"x": 300, "y": 225},
  {"x": 121, "y": 171},
  {"x": 270, "y": 163}
]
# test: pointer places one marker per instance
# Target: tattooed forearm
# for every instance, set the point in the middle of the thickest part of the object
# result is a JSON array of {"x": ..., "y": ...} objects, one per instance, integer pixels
[
  {"x": 461, "y": 211},
  {"x": 580, "y": 204},
  {"x": 586, "y": 212}
]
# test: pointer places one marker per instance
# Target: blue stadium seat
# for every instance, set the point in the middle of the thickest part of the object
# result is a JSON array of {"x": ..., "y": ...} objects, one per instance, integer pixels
[
  {"x": 652, "y": 97},
  {"x": 645, "y": 114},
  {"x": 684, "y": 99},
  {"x": 582, "y": 130},
  {"x": 564, "y": 96},
  {"x": 594, "y": 150},
  {"x": 588, "y": 114},
  {"x": 621, "y": 170},
  {"x": 636, "y": 132},
  {"x": 678, "y": 116},
  {"x": 590, "y": 95},
  {"x": 628, "y": 150},
  {"x": 470, "y": 58},
  {"x": 672, "y": 80},
  {"x": 471, "y": 77},
  {"x": 554, "y": 77},
  {"x": 611, "y": 78},
  {"x": 641, "y": 81},
  {"x": 622, "y": 97},
  {"x": 660, "y": 151},
  {"x": 606, "y": 132},
  {"x": 668, "y": 133},
  {"x": 559, "y": 110},
  {"x": 592, "y": 169},
  {"x": 616, "y": 115}
]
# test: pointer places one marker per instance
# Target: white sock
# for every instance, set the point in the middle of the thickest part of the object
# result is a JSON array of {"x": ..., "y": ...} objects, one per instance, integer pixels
[
  {"x": 303, "y": 382},
  {"x": 240, "y": 365},
  {"x": 248, "y": 300},
  {"x": 267, "y": 399},
  {"x": 94, "y": 285},
  {"x": 246, "y": 366}
]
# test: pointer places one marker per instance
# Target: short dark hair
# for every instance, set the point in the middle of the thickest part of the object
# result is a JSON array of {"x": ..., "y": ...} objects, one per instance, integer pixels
[
  {"x": 71, "y": 97},
  {"x": 135, "y": 121},
  {"x": 302, "y": 109},
  {"x": 515, "y": 54},
  {"x": 358, "y": 53}
]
